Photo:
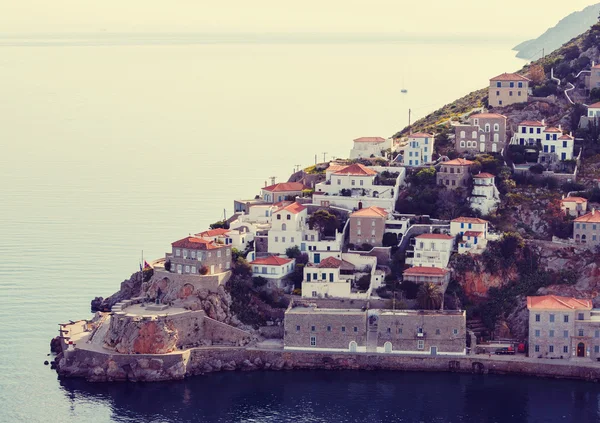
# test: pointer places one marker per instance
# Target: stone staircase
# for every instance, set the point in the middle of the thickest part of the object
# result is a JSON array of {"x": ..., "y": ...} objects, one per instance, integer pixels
[
  {"x": 478, "y": 328},
  {"x": 372, "y": 335}
]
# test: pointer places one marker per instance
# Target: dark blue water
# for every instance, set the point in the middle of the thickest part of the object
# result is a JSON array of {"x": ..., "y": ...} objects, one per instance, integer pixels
[{"x": 345, "y": 396}]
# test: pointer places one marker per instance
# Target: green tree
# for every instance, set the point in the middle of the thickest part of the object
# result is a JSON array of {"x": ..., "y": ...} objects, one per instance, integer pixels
[
  {"x": 363, "y": 282},
  {"x": 429, "y": 297},
  {"x": 293, "y": 252},
  {"x": 219, "y": 224},
  {"x": 324, "y": 221}
]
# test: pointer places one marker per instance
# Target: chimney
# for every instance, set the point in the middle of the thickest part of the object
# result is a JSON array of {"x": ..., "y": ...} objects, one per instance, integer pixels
[
  {"x": 593, "y": 211},
  {"x": 431, "y": 227},
  {"x": 563, "y": 197},
  {"x": 544, "y": 122}
]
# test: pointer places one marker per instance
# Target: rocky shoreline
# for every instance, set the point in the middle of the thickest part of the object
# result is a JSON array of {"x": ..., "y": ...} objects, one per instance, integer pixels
[{"x": 102, "y": 367}]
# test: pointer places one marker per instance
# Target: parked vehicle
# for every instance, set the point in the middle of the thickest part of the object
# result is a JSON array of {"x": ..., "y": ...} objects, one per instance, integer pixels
[{"x": 505, "y": 351}]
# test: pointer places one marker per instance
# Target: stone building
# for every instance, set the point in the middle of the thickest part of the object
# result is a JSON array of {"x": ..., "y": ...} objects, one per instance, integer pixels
[
  {"x": 484, "y": 133},
  {"x": 454, "y": 174},
  {"x": 586, "y": 229},
  {"x": 593, "y": 81},
  {"x": 563, "y": 327},
  {"x": 573, "y": 206},
  {"x": 423, "y": 332},
  {"x": 507, "y": 89},
  {"x": 368, "y": 226},
  {"x": 199, "y": 256},
  {"x": 309, "y": 328}
]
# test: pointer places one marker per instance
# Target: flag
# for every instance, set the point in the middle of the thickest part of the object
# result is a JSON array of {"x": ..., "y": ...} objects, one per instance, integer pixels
[
  {"x": 141, "y": 267},
  {"x": 146, "y": 265}
]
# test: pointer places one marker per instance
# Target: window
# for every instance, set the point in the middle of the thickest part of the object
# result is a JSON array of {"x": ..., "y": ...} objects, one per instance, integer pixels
[
  {"x": 353, "y": 182},
  {"x": 551, "y": 333},
  {"x": 597, "y": 349},
  {"x": 537, "y": 332},
  {"x": 297, "y": 328},
  {"x": 537, "y": 317},
  {"x": 510, "y": 93},
  {"x": 313, "y": 341},
  {"x": 520, "y": 85},
  {"x": 498, "y": 84},
  {"x": 219, "y": 253},
  {"x": 328, "y": 328},
  {"x": 566, "y": 349},
  {"x": 437, "y": 331},
  {"x": 580, "y": 317},
  {"x": 389, "y": 330},
  {"x": 512, "y": 85},
  {"x": 177, "y": 253},
  {"x": 292, "y": 239},
  {"x": 355, "y": 328},
  {"x": 278, "y": 217},
  {"x": 420, "y": 344},
  {"x": 343, "y": 328},
  {"x": 339, "y": 181},
  {"x": 228, "y": 252},
  {"x": 358, "y": 222},
  {"x": 455, "y": 331},
  {"x": 313, "y": 328},
  {"x": 400, "y": 331},
  {"x": 282, "y": 239},
  {"x": 228, "y": 265},
  {"x": 565, "y": 333},
  {"x": 276, "y": 239},
  {"x": 462, "y": 144},
  {"x": 580, "y": 332},
  {"x": 551, "y": 348},
  {"x": 552, "y": 318},
  {"x": 537, "y": 348},
  {"x": 566, "y": 318}
]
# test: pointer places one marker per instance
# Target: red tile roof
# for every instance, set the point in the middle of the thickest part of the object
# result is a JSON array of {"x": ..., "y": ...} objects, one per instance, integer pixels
[
  {"x": 487, "y": 116},
  {"x": 473, "y": 233},
  {"x": 285, "y": 187},
  {"x": 330, "y": 263},
  {"x": 469, "y": 220},
  {"x": 335, "y": 167},
  {"x": 425, "y": 271},
  {"x": 484, "y": 175},
  {"x": 554, "y": 302},
  {"x": 510, "y": 77},
  {"x": 421, "y": 135},
  {"x": 213, "y": 232},
  {"x": 271, "y": 261},
  {"x": 370, "y": 139},
  {"x": 574, "y": 200},
  {"x": 370, "y": 212},
  {"x": 566, "y": 137},
  {"x": 552, "y": 130},
  {"x": 434, "y": 236},
  {"x": 595, "y": 105},
  {"x": 591, "y": 217},
  {"x": 532, "y": 123},
  {"x": 293, "y": 208},
  {"x": 458, "y": 162},
  {"x": 195, "y": 243},
  {"x": 355, "y": 169}
]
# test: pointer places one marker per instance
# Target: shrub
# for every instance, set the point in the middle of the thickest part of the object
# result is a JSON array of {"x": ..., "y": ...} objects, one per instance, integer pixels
[
  {"x": 203, "y": 270},
  {"x": 297, "y": 291},
  {"x": 390, "y": 239},
  {"x": 219, "y": 224},
  {"x": 410, "y": 289},
  {"x": 293, "y": 252},
  {"x": 366, "y": 247},
  {"x": 259, "y": 281},
  {"x": 363, "y": 283},
  {"x": 537, "y": 169},
  {"x": 168, "y": 265}
]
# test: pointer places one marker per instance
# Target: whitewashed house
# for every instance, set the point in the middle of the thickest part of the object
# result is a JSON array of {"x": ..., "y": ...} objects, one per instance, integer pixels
[
  {"x": 236, "y": 238},
  {"x": 287, "y": 225},
  {"x": 419, "y": 150},
  {"x": 474, "y": 234},
  {"x": 319, "y": 247},
  {"x": 366, "y": 147},
  {"x": 485, "y": 196},
  {"x": 273, "y": 268},
  {"x": 325, "y": 280},
  {"x": 432, "y": 250},
  {"x": 284, "y": 191},
  {"x": 573, "y": 206},
  {"x": 530, "y": 132},
  {"x": 556, "y": 146}
]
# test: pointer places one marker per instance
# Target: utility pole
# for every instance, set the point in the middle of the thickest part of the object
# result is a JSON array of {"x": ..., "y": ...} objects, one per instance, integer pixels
[
  {"x": 324, "y": 154},
  {"x": 297, "y": 168},
  {"x": 315, "y": 159},
  {"x": 409, "y": 111}
]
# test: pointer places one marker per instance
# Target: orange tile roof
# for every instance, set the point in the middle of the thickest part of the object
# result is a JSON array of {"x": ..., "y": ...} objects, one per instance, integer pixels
[
  {"x": 370, "y": 139},
  {"x": 271, "y": 261},
  {"x": 510, "y": 77},
  {"x": 213, "y": 232},
  {"x": 473, "y": 233},
  {"x": 574, "y": 200},
  {"x": 335, "y": 167},
  {"x": 469, "y": 220},
  {"x": 458, "y": 162},
  {"x": 421, "y": 135},
  {"x": 552, "y": 130},
  {"x": 434, "y": 236},
  {"x": 195, "y": 243},
  {"x": 293, "y": 208},
  {"x": 531, "y": 123},
  {"x": 591, "y": 217},
  {"x": 487, "y": 116},
  {"x": 356, "y": 169},
  {"x": 425, "y": 271},
  {"x": 285, "y": 187},
  {"x": 330, "y": 263},
  {"x": 566, "y": 137},
  {"x": 484, "y": 175},
  {"x": 370, "y": 212},
  {"x": 554, "y": 302},
  {"x": 595, "y": 105}
]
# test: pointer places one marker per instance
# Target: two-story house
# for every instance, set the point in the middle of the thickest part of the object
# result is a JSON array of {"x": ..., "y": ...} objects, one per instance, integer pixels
[
  {"x": 454, "y": 174},
  {"x": 563, "y": 327},
  {"x": 197, "y": 256},
  {"x": 366, "y": 147},
  {"x": 282, "y": 191},
  {"x": 325, "y": 279},
  {"x": 287, "y": 225},
  {"x": 433, "y": 250},
  {"x": 473, "y": 233},
  {"x": 419, "y": 150},
  {"x": 507, "y": 89},
  {"x": 556, "y": 146},
  {"x": 485, "y": 197},
  {"x": 573, "y": 206},
  {"x": 586, "y": 229},
  {"x": 530, "y": 132},
  {"x": 368, "y": 226},
  {"x": 485, "y": 133},
  {"x": 273, "y": 268}
]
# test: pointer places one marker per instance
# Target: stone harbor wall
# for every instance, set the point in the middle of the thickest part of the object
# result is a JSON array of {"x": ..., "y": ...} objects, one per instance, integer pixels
[
  {"x": 222, "y": 334},
  {"x": 98, "y": 367}
]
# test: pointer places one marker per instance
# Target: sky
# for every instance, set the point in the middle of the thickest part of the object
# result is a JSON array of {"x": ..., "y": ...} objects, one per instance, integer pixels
[{"x": 517, "y": 18}]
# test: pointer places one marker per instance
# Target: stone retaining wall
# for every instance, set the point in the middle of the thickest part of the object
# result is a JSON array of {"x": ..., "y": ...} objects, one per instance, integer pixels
[{"x": 96, "y": 366}]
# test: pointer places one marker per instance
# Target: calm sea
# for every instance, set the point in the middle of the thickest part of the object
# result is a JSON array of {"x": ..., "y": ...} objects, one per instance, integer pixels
[{"x": 117, "y": 144}]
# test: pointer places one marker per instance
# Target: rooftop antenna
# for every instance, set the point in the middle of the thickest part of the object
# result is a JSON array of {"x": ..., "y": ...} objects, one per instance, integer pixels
[
  {"x": 272, "y": 178},
  {"x": 297, "y": 168},
  {"x": 324, "y": 154}
]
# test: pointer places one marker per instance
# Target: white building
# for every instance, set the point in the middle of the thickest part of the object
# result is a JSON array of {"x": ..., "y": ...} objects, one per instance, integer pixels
[
  {"x": 273, "y": 268},
  {"x": 556, "y": 146},
  {"x": 324, "y": 279},
  {"x": 237, "y": 238},
  {"x": 485, "y": 196},
  {"x": 365, "y": 147},
  {"x": 319, "y": 247},
  {"x": 355, "y": 186},
  {"x": 594, "y": 111},
  {"x": 282, "y": 192},
  {"x": 530, "y": 132},
  {"x": 287, "y": 225},
  {"x": 474, "y": 233},
  {"x": 573, "y": 206},
  {"x": 433, "y": 250},
  {"x": 419, "y": 150}
]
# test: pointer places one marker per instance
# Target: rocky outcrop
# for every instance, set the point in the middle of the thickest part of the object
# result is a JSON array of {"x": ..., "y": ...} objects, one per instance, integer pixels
[
  {"x": 130, "y": 288},
  {"x": 143, "y": 337},
  {"x": 55, "y": 345},
  {"x": 477, "y": 284}
]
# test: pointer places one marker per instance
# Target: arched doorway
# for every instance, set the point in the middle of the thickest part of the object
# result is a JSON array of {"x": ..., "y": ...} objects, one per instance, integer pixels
[
  {"x": 581, "y": 349},
  {"x": 360, "y": 205},
  {"x": 387, "y": 347},
  {"x": 353, "y": 346}
]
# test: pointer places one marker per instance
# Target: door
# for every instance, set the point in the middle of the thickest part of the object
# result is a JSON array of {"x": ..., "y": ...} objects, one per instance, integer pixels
[
  {"x": 433, "y": 350},
  {"x": 353, "y": 346},
  {"x": 212, "y": 269},
  {"x": 482, "y": 147},
  {"x": 387, "y": 347},
  {"x": 317, "y": 259},
  {"x": 494, "y": 148},
  {"x": 581, "y": 349}
]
